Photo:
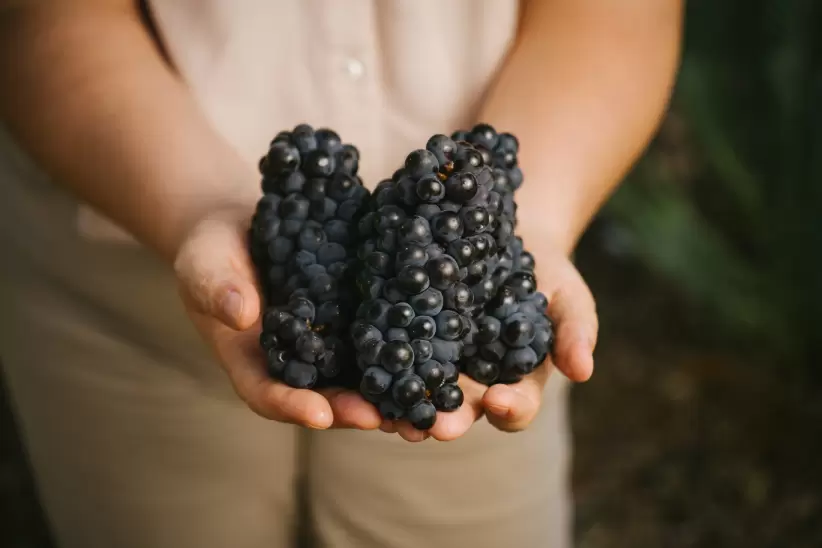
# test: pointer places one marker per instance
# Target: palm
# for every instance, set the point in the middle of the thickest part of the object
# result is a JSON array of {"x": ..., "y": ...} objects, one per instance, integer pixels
[{"x": 214, "y": 263}]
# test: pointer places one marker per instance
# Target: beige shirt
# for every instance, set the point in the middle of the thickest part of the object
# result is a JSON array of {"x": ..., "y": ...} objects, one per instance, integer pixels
[{"x": 386, "y": 74}]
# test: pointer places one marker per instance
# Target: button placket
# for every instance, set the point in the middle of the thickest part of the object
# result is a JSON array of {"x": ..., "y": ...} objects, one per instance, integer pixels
[{"x": 354, "y": 90}]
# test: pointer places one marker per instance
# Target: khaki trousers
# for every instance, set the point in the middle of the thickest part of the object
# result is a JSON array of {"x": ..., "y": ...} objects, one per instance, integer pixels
[{"x": 137, "y": 440}]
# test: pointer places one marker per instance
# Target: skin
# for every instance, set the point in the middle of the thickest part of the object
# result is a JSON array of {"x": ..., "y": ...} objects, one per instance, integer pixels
[{"x": 584, "y": 89}]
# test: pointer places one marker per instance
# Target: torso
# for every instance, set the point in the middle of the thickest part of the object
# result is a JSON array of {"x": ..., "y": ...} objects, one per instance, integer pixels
[{"x": 385, "y": 74}]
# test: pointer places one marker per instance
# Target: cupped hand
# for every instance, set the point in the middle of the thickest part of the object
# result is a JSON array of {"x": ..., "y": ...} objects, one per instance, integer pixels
[
  {"x": 512, "y": 407},
  {"x": 572, "y": 309},
  {"x": 219, "y": 290}
]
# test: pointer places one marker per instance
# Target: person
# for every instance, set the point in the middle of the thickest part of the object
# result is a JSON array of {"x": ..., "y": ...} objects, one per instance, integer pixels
[{"x": 128, "y": 164}]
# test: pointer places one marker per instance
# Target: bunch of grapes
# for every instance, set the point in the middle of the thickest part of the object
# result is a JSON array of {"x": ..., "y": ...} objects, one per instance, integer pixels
[
  {"x": 399, "y": 290},
  {"x": 303, "y": 247}
]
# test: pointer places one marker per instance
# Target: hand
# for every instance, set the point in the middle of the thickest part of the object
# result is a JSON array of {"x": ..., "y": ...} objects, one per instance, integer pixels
[
  {"x": 512, "y": 407},
  {"x": 218, "y": 288},
  {"x": 572, "y": 308}
]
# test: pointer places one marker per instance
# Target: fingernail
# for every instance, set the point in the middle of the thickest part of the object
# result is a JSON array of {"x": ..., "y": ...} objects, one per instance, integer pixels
[
  {"x": 422, "y": 436},
  {"x": 502, "y": 397},
  {"x": 320, "y": 421},
  {"x": 232, "y": 305},
  {"x": 498, "y": 410}
]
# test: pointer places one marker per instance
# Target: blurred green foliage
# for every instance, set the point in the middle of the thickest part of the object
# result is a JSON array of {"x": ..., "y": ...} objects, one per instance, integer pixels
[{"x": 728, "y": 201}]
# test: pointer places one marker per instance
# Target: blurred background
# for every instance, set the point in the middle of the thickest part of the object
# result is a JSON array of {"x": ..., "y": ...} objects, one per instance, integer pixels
[{"x": 702, "y": 426}]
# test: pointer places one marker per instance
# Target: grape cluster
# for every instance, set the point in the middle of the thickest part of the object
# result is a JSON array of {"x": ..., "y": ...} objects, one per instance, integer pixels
[
  {"x": 397, "y": 291},
  {"x": 303, "y": 247},
  {"x": 429, "y": 236},
  {"x": 513, "y": 334}
]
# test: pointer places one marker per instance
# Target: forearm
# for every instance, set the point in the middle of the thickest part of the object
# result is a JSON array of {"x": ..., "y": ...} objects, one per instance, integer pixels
[
  {"x": 85, "y": 92},
  {"x": 584, "y": 90}
]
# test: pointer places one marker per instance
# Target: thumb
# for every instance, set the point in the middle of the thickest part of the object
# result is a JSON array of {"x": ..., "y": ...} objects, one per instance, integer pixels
[{"x": 216, "y": 275}]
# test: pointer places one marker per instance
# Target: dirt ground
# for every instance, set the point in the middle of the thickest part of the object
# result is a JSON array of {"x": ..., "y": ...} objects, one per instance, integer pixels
[{"x": 679, "y": 444}]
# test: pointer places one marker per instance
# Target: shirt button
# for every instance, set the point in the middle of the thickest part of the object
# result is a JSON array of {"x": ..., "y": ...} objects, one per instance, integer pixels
[{"x": 355, "y": 68}]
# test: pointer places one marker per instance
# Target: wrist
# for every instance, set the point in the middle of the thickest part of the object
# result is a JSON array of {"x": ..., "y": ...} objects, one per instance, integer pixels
[
  {"x": 234, "y": 205},
  {"x": 555, "y": 227}
]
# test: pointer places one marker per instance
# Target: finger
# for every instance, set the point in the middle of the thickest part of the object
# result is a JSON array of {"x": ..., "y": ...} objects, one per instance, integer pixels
[
  {"x": 452, "y": 425},
  {"x": 512, "y": 407},
  {"x": 216, "y": 275},
  {"x": 409, "y": 433},
  {"x": 243, "y": 360},
  {"x": 573, "y": 310},
  {"x": 351, "y": 410},
  {"x": 277, "y": 401},
  {"x": 388, "y": 426}
]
